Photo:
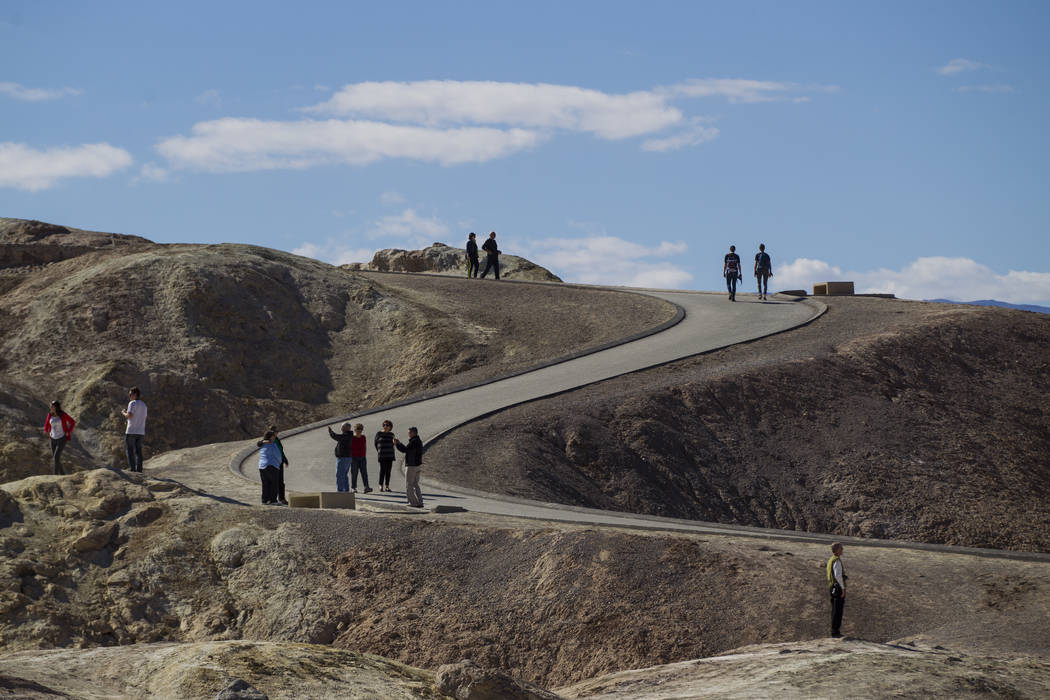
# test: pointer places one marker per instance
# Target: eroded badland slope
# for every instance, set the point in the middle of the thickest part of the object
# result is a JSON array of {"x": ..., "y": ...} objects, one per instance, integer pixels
[
  {"x": 882, "y": 418},
  {"x": 226, "y": 339}
]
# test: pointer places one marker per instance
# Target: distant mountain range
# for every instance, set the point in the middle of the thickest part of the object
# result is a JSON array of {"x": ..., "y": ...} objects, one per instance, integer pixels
[{"x": 1004, "y": 304}]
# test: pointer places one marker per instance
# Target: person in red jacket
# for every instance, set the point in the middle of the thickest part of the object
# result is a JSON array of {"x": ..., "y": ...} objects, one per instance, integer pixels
[{"x": 59, "y": 427}]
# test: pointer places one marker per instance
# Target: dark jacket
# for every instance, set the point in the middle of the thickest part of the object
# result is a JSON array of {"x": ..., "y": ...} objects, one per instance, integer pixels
[
  {"x": 413, "y": 452},
  {"x": 472, "y": 250},
  {"x": 384, "y": 443},
  {"x": 490, "y": 247},
  {"x": 344, "y": 439}
]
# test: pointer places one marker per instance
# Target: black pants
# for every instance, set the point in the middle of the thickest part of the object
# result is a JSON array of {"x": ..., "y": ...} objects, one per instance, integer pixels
[
  {"x": 837, "y": 603},
  {"x": 472, "y": 267},
  {"x": 56, "y": 452},
  {"x": 491, "y": 262},
  {"x": 133, "y": 443},
  {"x": 763, "y": 282},
  {"x": 271, "y": 480},
  {"x": 731, "y": 284},
  {"x": 280, "y": 486},
  {"x": 384, "y": 473}
]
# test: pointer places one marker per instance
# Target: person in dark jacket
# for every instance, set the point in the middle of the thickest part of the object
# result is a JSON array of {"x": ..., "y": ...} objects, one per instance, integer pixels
[
  {"x": 342, "y": 456},
  {"x": 472, "y": 256},
  {"x": 492, "y": 257},
  {"x": 731, "y": 271},
  {"x": 385, "y": 454},
  {"x": 763, "y": 271},
  {"x": 413, "y": 464},
  {"x": 284, "y": 465},
  {"x": 59, "y": 427}
]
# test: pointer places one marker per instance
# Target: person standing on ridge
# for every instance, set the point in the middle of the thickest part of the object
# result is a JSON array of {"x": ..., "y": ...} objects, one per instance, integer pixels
[
  {"x": 284, "y": 465},
  {"x": 731, "y": 271},
  {"x": 492, "y": 259},
  {"x": 59, "y": 427},
  {"x": 763, "y": 271},
  {"x": 136, "y": 430},
  {"x": 472, "y": 256},
  {"x": 837, "y": 588},
  {"x": 269, "y": 468},
  {"x": 413, "y": 464}
]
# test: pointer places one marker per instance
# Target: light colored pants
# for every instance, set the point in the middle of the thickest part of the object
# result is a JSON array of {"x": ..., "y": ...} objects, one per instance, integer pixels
[{"x": 415, "y": 496}]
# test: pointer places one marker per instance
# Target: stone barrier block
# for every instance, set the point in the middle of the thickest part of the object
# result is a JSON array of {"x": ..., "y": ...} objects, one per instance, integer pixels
[
  {"x": 304, "y": 500},
  {"x": 337, "y": 499},
  {"x": 833, "y": 289}
]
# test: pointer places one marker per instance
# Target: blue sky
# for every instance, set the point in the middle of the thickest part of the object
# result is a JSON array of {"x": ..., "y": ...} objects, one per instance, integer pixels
[{"x": 900, "y": 145}]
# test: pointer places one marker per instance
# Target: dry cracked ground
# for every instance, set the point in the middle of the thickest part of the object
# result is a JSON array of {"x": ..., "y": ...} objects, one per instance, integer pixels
[{"x": 881, "y": 419}]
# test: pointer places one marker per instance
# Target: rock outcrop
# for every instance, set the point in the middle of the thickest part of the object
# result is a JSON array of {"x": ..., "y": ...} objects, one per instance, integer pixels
[{"x": 446, "y": 260}]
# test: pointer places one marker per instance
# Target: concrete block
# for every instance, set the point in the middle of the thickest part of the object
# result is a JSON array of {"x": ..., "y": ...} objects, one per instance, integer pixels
[
  {"x": 304, "y": 500},
  {"x": 793, "y": 292},
  {"x": 834, "y": 289},
  {"x": 337, "y": 499}
]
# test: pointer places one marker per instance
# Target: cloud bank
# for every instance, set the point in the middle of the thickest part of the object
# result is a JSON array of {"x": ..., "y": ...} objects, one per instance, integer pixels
[
  {"x": 959, "y": 279},
  {"x": 25, "y": 168},
  {"x": 451, "y": 122},
  {"x": 20, "y": 92},
  {"x": 604, "y": 259}
]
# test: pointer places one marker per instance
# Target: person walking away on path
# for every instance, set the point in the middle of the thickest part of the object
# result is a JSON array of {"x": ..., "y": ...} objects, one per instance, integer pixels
[
  {"x": 358, "y": 460},
  {"x": 837, "y": 587},
  {"x": 59, "y": 427},
  {"x": 492, "y": 258},
  {"x": 472, "y": 257},
  {"x": 342, "y": 456},
  {"x": 731, "y": 271},
  {"x": 384, "y": 444},
  {"x": 136, "y": 430},
  {"x": 284, "y": 465},
  {"x": 413, "y": 464},
  {"x": 269, "y": 467},
  {"x": 763, "y": 271}
]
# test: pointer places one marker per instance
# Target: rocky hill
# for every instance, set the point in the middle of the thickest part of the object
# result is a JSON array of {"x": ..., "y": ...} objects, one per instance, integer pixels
[
  {"x": 446, "y": 260},
  {"x": 883, "y": 418},
  {"x": 123, "y": 585},
  {"x": 225, "y": 339}
]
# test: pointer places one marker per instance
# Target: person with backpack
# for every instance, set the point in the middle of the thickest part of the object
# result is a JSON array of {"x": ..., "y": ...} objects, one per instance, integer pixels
[
  {"x": 731, "y": 271},
  {"x": 472, "y": 256},
  {"x": 59, "y": 427},
  {"x": 837, "y": 588},
  {"x": 763, "y": 271}
]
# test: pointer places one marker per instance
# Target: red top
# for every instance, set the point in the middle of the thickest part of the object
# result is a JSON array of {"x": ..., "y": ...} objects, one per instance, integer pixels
[
  {"x": 357, "y": 446},
  {"x": 67, "y": 423}
]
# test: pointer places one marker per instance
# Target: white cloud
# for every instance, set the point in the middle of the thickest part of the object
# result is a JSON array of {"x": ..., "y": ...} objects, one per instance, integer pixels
[
  {"x": 209, "y": 98},
  {"x": 998, "y": 88},
  {"x": 959, "y": 65},
  {"x": 437, "y": 103},
  {"x": 738, "y": 90},
  {"x": 693, "y": 136},
  {"x": 959, "y": 279},
  {"x": 242, "y": 145},
  {"x": 150, "y": 172},
  {"x": 26, "y": 168},
  {"x": 604, "y": 259},
  {"x": 334, "y": 253},
  {"x": 408, "y": 228},
  {"x": 25, "y": 94},
  {"x": 390, "y": 197}
]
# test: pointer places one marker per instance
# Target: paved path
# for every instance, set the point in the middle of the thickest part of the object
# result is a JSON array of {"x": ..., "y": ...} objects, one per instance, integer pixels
[{"x": 710, "y": 322}]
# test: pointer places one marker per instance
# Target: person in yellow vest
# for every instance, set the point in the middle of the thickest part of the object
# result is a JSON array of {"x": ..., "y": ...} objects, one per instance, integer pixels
[{"x": 837, "y": 587}]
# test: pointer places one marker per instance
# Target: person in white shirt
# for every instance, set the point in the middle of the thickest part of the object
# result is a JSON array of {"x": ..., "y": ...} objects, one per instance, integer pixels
[{"x": 136, "y": 430}]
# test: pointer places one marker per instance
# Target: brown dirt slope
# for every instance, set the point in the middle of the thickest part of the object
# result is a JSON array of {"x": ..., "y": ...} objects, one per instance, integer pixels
[
  {"x": 225, "y": 339},
  {"x": 102, "y": 558},
  {"x": 883, "y": 418}
]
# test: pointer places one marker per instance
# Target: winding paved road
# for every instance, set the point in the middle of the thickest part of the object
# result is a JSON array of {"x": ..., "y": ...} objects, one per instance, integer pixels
[{"x": 710, "y": 322}]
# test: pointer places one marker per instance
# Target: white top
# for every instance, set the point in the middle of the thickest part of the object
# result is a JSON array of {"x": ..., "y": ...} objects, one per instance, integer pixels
[
  {"x": 56, "y": 427},
  {"x": 136, "y": 418},
  {"x": 836, "y": 572}
]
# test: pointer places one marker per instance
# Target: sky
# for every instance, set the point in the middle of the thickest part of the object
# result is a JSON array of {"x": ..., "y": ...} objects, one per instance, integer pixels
[{"x": 900, "y": 145}]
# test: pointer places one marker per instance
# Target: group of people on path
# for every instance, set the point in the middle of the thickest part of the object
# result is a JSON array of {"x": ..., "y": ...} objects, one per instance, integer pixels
[
  {"x": 351, "y": 461},
  {"x": 492, "y": 253},
  {"x": 732, "y": 270}
]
